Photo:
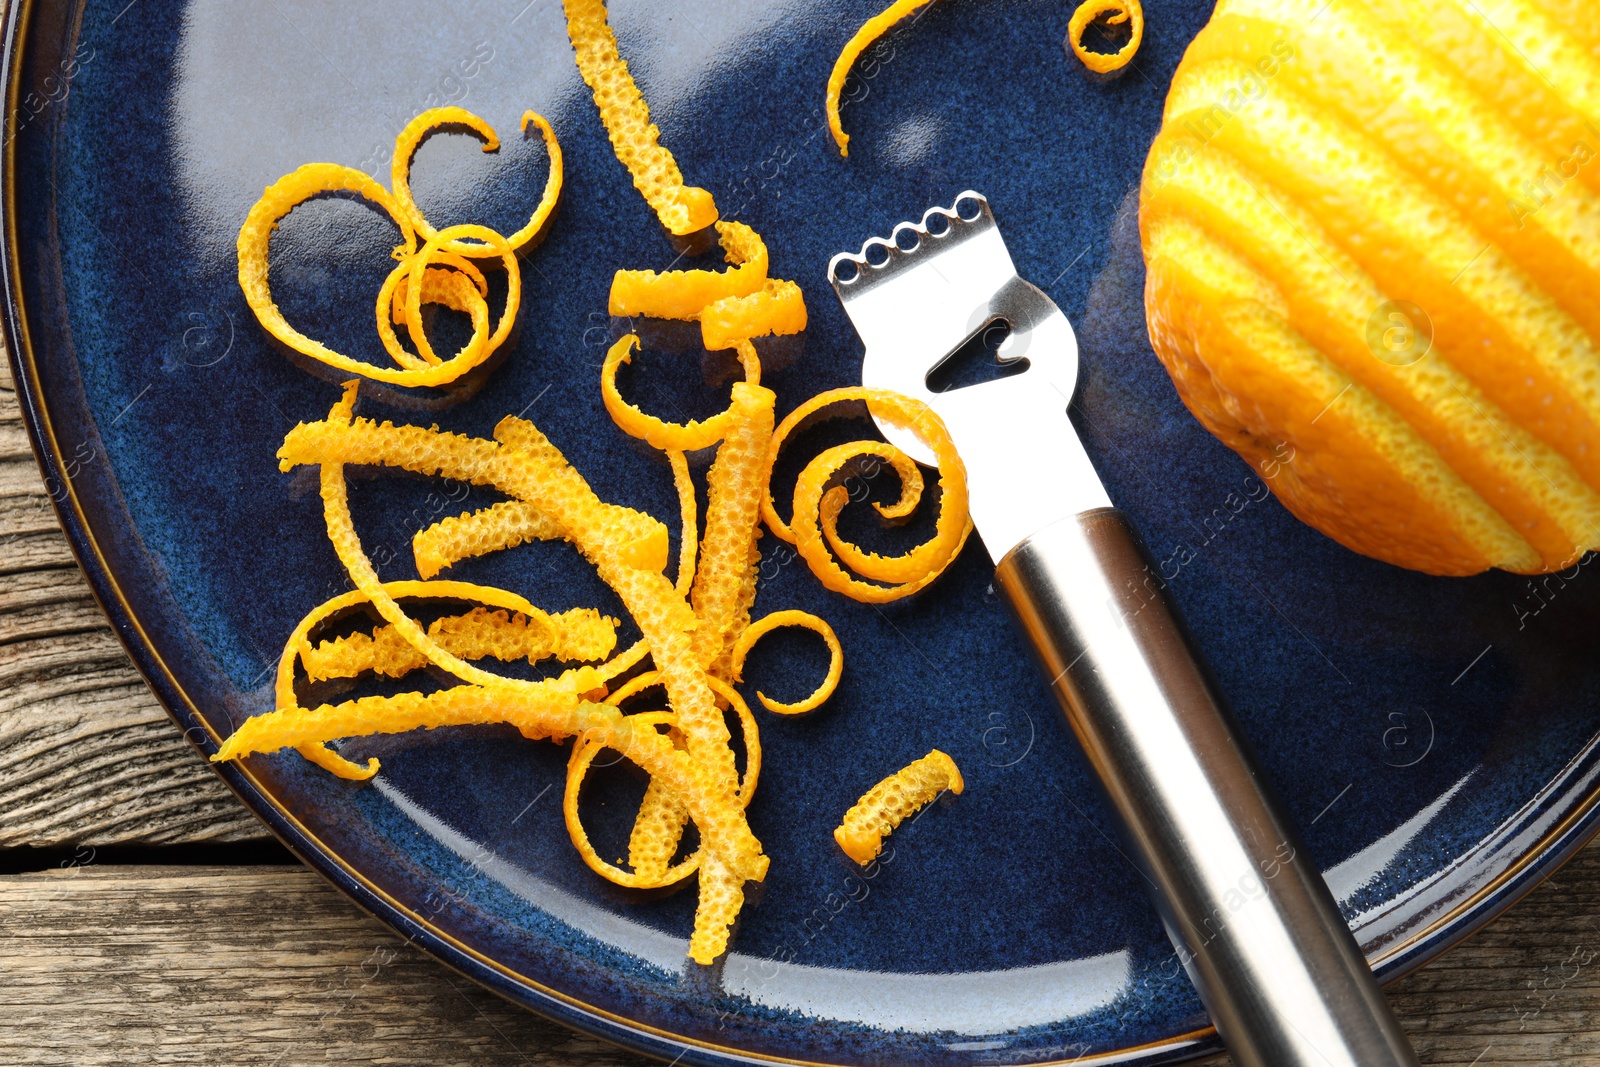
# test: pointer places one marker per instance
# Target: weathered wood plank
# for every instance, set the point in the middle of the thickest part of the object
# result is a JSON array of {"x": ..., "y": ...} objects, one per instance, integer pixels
[
  {"x": 270, "y": 965},
  {"x": 87, "y": 756}
]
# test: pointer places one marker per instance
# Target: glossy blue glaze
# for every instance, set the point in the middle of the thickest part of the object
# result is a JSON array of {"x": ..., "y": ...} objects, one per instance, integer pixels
[{"x": 1430, "y": 737}]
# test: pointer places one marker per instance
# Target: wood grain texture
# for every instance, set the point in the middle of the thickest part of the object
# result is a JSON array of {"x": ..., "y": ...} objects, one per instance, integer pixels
[
  {"x": 270, "y": 965},
  {"x": 87, "y": 756}
]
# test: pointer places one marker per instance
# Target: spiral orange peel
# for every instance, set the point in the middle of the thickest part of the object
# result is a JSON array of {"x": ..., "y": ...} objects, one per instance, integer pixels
[
  {"x": 435, "y": 119},
  {"x": 804, "y": 620},
  {"x": 682, "y": 209},
  {"x": 818, "y": 501},
  {"x": 893, "y": 800},
  {"x": 1120, "y": 11}
]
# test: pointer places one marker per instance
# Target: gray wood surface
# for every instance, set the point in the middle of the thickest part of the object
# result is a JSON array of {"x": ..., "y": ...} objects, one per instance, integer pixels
[{"x": 107, "y": 964}]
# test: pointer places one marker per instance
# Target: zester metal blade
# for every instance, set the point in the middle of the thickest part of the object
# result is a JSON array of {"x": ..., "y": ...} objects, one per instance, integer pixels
[{"x": 920, "y": 295}]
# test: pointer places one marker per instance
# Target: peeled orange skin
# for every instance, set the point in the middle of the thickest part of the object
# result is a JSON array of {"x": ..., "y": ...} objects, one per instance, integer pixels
[{"x": 1314, "y": 169}]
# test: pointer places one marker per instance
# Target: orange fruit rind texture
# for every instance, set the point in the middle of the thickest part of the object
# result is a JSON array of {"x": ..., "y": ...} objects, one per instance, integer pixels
[
  {"x": 819, "y": 500},
  {"x": 1119, "y": 12},
  {"x": 803, "y": 620},
  {"x": 682, "y": 209},
  {"x": 889, "y": 803},
  {"x": 1405, "y": 338}
]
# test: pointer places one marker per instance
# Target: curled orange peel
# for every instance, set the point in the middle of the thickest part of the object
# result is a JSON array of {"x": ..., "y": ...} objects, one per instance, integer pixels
[
  {"x": 434, "y": 119},
  {"x": 682, "y": 294},
  {"x": 266, "y": 736},
  {"x": 864, "y": 39},
  {"x": 315, "y": 179},
  {"x": 1120, "y": 11},
  {"x": 660, "y": 836},
  {"x": 455, "y": 290},
  {"x": 818, "y": 501},
  {"x": 667, "y": 436},
  {"x": 439, "y": 243},
  {"x": 682, "y": 209},
  {"x": 778, "y": 308},
  {"x": 889, "y": 803},
  {"x": 805, "y": 620}
]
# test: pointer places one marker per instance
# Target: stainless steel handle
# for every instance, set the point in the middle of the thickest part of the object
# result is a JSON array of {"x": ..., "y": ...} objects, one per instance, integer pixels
[{"x": 1250, "y": 915}]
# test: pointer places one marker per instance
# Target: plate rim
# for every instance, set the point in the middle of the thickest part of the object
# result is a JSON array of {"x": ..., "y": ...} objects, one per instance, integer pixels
[{"x": 1391, "y": 962}]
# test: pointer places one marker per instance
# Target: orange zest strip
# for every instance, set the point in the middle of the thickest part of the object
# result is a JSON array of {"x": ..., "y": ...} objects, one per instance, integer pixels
[
  {"x": 689, "y": 514},
  {"x": 1120, "y": 11},
  {"x": 667, "y": 436},
  {"x": 284, "y": 694},
  {"x": 777, "y": 308},
  {"x": 818, "y": 501},
  {"x": 728, "y": 554},
  {"x": 890, "y": 802},
  {"x": 682, "y": 209},
  {"x": 804, "y": 620},
  {"x": 580, "y": 635},
  {"x": 721, "y": 900},
  {"x": 681, "y": 294},
  {"x": 476, "y": 533},
  {"x": 864, "y": 38},
  {"x": 418, "y": 129}
]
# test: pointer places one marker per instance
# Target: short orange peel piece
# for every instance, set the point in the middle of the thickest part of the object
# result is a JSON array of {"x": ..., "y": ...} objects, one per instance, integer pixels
[
  {"x": 434, "y": 119},
  {"x": 804, "y": 620},
  {"x": 818, "y": 500},
  {"x": 778, "y": 309},
  {"x": 893, "y": 800},
  {"x": 1120, "y": 11},
  {"x": 864, "y": 39},
  {"x": 682, "y": 209},
  {"x": 682, "y": 294}
]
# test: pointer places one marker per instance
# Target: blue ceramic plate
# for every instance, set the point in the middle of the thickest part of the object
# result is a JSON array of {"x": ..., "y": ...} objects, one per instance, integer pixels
[{"x": 1434, "y": 739}]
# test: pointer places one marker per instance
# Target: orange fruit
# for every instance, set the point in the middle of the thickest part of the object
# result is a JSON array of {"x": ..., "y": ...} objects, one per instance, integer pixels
[{"x": 1372, "y": 232}]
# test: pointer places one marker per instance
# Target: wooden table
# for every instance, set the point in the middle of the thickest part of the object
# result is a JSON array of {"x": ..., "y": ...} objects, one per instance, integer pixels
[{"x": 147, "y": 918}]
